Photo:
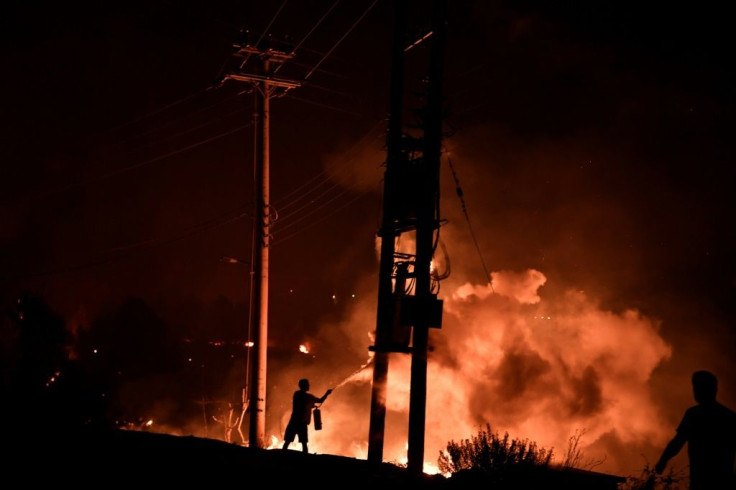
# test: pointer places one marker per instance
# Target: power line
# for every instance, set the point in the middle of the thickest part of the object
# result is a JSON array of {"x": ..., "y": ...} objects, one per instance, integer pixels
[
  {"x": 320, "y": 195},
  {"x": 279, "y": 240},
  {"x": 322, "y": 104},
  {"x": 324, "y": 174},
  {"x": 102, "y": 132},
  {"x": 180, "y": 101},
  {"x": 260, "y": 38},
  {"x": 159, "y": 109},
  {"x": 122, "y": 170},
  {"x": 86, "y": 181},
  {"x": 320, "y": 206},
  {"x": 311, "y": 212},
  {"x": 459, "y": 193},
  {"x": 313, "y": 185},
  {"x": 301, "y": 197},
  {"x": 126, "y": 250},
  {"x": 192, "y": 95},
  {"x": 341, "y": 39},
  {"x": 83, "y": 182},
  {"x": 299, "y": 44},
  {"x": 220, "y": 220},
  {"x": 174, "y": 136},
  {"x": 327, "y": 72},
  {"x": 315, "y": 52},
  {"x": 191, "y": 114},
  {"x": 331, "y": 176},
  {"x": 332, "y": 90},
  {"x": 273, "y": 19}
]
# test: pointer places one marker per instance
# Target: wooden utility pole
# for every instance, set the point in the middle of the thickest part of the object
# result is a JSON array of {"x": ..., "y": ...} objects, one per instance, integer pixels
[{"x": 266, "y": 61}]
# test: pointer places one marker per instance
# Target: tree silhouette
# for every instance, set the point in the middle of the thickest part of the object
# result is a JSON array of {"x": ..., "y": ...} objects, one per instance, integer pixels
[
  {"x": 134, "y": 359},
  {"x": 45, "y": 387}
]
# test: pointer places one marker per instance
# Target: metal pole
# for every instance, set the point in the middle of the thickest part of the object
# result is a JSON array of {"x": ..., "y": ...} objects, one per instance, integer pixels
[
  {"x": 384, "y": 314},
  {"x": 427, "y": 223}
]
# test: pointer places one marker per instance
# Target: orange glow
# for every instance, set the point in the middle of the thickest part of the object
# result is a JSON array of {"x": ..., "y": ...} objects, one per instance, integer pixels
[
  {"x": 276, "y": 443},
  {"x": 538, "y": 368},
  {"x": 535, "y": 366},
  {"x": 53, "y": 378}
]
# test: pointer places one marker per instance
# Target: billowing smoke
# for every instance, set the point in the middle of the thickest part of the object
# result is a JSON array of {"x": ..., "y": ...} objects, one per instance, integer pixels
[
  {"x": 583, "y": 322},
  {"x": 532, "y": 350},
  {"x": 555, "y": 340},
  {"x": 538, "y": 368}
]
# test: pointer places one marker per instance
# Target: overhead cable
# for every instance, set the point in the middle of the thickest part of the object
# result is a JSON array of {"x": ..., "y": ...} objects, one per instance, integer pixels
[{"x": 341, "y": 39}]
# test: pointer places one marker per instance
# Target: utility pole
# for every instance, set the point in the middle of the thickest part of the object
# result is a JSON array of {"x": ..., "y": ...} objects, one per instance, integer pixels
[
  {"x": 427, "y": 224},
  {"x": 410, "y": 203},
  {"x": 388, "y": 233},
  {"x": 265, "y": 86}
]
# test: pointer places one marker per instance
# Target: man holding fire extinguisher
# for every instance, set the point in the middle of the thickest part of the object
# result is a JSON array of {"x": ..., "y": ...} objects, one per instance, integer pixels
[{"x": 303, "y": 403}]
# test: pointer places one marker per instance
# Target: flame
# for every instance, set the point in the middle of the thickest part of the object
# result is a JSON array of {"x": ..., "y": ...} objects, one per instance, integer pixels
[
  {"x": 304, "y": 348},
  {"x": 428, "y": 468}
]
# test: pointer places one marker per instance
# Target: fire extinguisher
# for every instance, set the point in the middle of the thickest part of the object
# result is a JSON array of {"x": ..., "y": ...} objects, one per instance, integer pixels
[{"x": 317, "y": 419}]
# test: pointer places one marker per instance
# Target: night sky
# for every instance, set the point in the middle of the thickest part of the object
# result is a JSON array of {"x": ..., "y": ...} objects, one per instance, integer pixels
[{"x": 592, "y": 142}]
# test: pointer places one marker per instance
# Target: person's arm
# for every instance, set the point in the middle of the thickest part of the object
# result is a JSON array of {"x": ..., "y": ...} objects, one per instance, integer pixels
[
  {"x": 324, "y": 397},
  {"x": 670, "y": 451}
]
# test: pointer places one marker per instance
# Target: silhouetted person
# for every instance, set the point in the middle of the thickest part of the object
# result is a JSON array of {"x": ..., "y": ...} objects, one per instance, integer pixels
[
  {"x": 709, "y": 429},
  {"x": 303, "y": 402}
]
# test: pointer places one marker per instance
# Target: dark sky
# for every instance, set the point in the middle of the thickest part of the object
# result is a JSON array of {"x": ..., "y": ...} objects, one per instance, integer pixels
[{"x": 592, "y": 141}]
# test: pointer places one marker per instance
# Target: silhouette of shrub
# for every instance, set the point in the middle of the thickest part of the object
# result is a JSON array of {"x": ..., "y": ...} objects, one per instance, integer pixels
[{"x": 489, "y": 452}]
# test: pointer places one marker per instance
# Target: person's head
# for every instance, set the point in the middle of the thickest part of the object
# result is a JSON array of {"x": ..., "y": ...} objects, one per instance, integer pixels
[
  {"x": 304, "y": 384},
  {"x": 705, "y": 386}
]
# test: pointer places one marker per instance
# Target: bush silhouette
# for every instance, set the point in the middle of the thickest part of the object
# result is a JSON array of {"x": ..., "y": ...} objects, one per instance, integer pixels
[{"x": 490, "y": 453}]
